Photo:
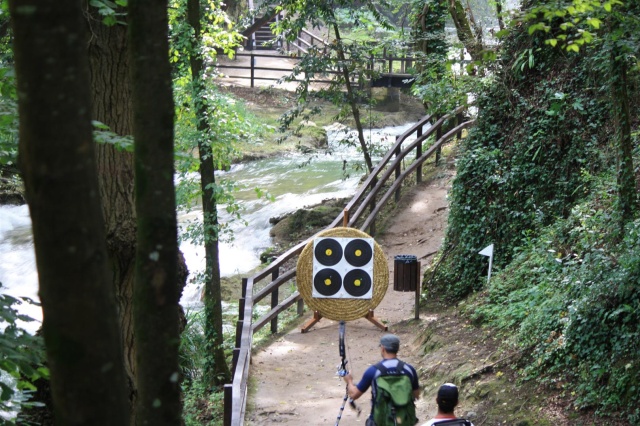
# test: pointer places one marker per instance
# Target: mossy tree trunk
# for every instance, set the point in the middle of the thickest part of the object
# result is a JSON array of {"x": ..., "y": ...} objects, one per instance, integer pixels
[
  {"x": 466, "y": 27},
  {"x": 216, "y": 368},
  {"x": 156, "y": 291},
  {"x": 80, "y": 323}
]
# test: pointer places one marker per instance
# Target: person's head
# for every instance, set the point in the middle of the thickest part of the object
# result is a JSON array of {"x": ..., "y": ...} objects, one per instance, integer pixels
[
  {"x": 390, "y": 344},
  {"x": 447, "y": 398}
]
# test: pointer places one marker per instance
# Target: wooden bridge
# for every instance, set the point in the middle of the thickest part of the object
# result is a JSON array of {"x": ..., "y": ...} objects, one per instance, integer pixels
[{"x": 383, "y": 184}]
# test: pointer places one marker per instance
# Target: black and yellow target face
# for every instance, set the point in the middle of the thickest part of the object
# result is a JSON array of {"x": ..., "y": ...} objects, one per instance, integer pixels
[
  {"x": 327, "y": 282},
  {"x": 358, "y": 252},
  {"x": 359, "y": 288},
  {"x": 328, "y": 252},
  {"x": 343, "y": 268}
]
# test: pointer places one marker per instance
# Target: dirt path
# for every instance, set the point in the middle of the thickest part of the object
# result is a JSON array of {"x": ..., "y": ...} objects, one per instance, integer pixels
[{"x": 294, "y": 379}]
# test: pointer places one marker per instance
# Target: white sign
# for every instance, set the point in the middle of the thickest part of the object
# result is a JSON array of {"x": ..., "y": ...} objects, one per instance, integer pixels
[{"x": 488, "y": 251}]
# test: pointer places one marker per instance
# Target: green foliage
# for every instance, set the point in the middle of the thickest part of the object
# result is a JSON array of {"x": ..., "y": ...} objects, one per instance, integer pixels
[
  {"x": 21, "y": 357},
  {"x": 571, "y": 300},
  {"x": 8, "y": 117},
  {"x": 112, "y": 12},
  {"x": 538, "y": 129},
  {"x": 202, "y": 405}
]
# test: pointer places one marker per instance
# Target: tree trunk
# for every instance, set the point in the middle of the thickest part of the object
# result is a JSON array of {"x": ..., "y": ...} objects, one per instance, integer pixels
[
  {"x": 216, "y": 368},
  {"x": 351, "y": 98},
  {"x": 111, "y": 105},
  {"x": 156, "y": 292},
  {"x": 499, "y": 14},
  {"x": 627, "y": 191},
  {"x": 80, "y": 324},
  {"x": 463, "y": 24}
]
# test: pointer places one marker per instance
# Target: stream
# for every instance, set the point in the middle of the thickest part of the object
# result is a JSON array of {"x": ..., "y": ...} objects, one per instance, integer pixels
[{"x": 292, "y": 181}]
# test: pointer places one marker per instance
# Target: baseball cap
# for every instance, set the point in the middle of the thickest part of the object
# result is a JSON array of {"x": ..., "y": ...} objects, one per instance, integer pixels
[
  {"x": 390, "y": 342},
  {"x": 448, "y": 391}
]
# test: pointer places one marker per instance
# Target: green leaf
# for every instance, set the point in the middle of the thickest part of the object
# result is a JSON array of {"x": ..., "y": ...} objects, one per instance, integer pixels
[
  {"x": 607, "y": 6},
  {"x": 594, "y": 22},
  {"x": 553, "y": 42},
  {"x": 573, "y": 47}
]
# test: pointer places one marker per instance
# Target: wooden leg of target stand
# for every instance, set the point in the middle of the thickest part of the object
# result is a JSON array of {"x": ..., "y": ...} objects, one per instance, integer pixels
[
  {"x": 375, "y": 321},
  {"x": 313, "y": 321}
]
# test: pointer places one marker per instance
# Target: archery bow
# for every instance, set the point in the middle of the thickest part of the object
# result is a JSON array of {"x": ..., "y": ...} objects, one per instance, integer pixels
[{"x": 342, "y": 371}]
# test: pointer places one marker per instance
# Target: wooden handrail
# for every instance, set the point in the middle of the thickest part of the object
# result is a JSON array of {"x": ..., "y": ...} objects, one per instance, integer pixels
[{"x": 235, "y": 395}]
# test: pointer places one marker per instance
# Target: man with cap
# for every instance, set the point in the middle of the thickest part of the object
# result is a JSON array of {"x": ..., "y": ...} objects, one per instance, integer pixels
[
  {"x": 447, "y": 401},
  {"x": 389, "y": 346}
]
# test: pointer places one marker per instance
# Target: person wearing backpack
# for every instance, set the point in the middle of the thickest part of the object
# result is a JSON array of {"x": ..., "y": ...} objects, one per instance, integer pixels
[
  {"x": 394, "y": 387},
  {"x": 447, "y": 401}
]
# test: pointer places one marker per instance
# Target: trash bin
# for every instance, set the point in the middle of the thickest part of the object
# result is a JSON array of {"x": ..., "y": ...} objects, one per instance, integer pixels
[{"x": 405, "y": 272}]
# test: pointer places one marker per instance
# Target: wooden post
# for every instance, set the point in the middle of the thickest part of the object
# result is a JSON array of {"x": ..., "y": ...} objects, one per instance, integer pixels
[
  {"x": 438, "y": 151},
  {"x": 372, "y": 206},
  {"x": 228, "y": 401},
  {"x": 234, "y": 360},
  {"x": 345, "y": 218},
  {"x": 241, "y": 304},
  {"x": 418, "y": 155},
  {"x": 253, "y": 68},
  {"x": 459, "y": 117},
  {"x": 244, "y": 287},
  {"x": 317, "y": 316},
  {"x": 419, "y": 284},
  {"x": 274, "y": 301},
  {"x": 397, "y": 172},
  {"x": 300, "y": 307},
  {"x": 239, "y": 325}
]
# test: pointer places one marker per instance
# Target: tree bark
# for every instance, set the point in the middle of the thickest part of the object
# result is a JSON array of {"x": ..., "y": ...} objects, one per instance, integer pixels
[
  {"x": 80, "y": 325},
  {"x": 156, "y": 292},
  {"x": 472, "y": 43},
  {"x": 111, "y": 105},
  {"x": 216, "y": 368}
]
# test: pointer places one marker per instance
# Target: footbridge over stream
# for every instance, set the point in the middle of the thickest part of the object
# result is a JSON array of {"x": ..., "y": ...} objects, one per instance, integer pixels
[{"x": 314, "y": 396}]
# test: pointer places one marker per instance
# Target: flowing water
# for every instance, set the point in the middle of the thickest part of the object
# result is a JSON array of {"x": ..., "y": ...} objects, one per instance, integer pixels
[{"x": 292, "y": 180}]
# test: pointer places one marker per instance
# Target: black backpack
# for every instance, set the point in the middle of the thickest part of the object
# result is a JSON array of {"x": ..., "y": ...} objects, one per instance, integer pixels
[{"x": 393, "y": 405}]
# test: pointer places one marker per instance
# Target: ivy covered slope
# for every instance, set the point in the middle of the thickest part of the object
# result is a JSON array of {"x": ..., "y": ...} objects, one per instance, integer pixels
[{"x": 538, "y": 178}]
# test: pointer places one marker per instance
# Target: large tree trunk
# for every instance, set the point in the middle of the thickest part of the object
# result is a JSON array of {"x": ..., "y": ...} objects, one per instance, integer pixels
[
  {"x": 156, "y": 292},
  {"x": 216, "y": 368},
  {"x": 111, "y": 105},
  {"x": 463, "y": 20},
  {"x": 80, "y": 325}
]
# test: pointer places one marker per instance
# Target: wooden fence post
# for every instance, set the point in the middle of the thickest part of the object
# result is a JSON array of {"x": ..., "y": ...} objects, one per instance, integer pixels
[
  {"x": 438, "y": 151},
  {"x": 418, "y": 155},
  {"x": 460, "y": 118},
  {"x": 397, "y": 172},
  {"x": 274, "y": 301},
  {"x": 372, "y": 206},
  {"x": 253, "y": 68},
  {"x": 228, "y": 402}
]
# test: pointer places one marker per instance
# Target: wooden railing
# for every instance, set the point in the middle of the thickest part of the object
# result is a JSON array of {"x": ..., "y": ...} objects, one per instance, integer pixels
[
  {"x": 235, "y": 394},
  {"x": 384, "y": 65}
]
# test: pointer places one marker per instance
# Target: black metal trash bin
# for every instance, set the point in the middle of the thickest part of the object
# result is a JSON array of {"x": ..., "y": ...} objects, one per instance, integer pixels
[{"x": 405, "y": 272}]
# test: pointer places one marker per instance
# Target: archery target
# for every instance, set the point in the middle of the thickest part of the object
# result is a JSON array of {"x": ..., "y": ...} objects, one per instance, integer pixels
[
  {"x": 351, "y": 268},
  {"x": 339, "y": 308}
]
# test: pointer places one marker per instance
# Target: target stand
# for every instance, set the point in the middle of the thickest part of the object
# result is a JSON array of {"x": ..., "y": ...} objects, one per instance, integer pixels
[{"x": 342, "y": 274}]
